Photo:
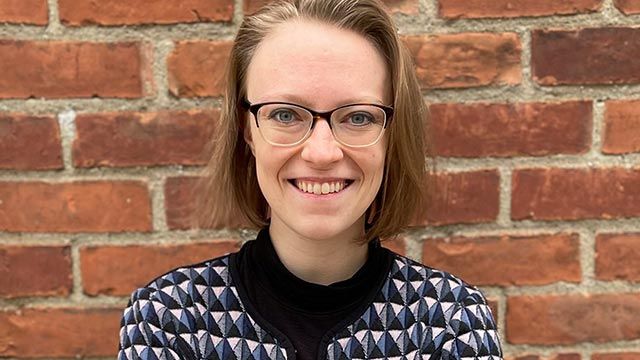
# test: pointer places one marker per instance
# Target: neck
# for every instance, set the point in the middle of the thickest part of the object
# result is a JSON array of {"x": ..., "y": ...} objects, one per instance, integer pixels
[{"x": 319, "y": 261}]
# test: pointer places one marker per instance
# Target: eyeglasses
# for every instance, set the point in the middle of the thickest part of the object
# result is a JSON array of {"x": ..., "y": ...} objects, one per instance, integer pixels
[{"x": 286, "y": 124}]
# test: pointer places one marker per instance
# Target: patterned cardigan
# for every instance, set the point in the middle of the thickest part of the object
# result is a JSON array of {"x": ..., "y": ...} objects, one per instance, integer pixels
[{"x": 202, "y": 312}]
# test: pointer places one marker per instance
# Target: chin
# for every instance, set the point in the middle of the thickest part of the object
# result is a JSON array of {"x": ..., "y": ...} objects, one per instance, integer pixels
[{"x": 320, "y": 229}]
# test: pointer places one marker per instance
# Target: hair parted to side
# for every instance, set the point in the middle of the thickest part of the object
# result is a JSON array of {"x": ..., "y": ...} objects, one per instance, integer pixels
[{"x": 228, "y": 194}]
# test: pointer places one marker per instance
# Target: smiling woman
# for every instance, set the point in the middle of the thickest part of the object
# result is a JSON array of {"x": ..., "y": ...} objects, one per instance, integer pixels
[{"x": 321, "y": 149}]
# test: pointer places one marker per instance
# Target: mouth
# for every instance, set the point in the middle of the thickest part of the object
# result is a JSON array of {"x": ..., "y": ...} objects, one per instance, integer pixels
[{"x": 321, "y": 188}]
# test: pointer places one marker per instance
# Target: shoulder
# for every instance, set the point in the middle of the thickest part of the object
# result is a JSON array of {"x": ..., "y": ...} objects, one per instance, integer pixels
[
  {"x": 161, "y": 312},
  {"x": 438, "y": 285},
  {"x": 446, "y": 301},
  {"x": 173, "y": 287}
]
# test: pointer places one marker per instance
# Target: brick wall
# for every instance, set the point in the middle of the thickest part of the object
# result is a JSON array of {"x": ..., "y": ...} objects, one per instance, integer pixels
[{"x": 105, "y": 107}]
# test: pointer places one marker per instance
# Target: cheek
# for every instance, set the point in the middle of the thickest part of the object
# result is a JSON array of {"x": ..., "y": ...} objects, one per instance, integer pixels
[
  {"x": 378, "y": 159},
  {"x": 269, "y": 162}
]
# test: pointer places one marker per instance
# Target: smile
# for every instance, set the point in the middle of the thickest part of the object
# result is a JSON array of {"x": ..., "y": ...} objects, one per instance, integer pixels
[{"x": 321, "y": 188}]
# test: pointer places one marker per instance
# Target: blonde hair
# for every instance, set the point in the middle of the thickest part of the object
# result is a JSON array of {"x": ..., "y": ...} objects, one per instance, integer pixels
[{"x": 228, "y": 193}]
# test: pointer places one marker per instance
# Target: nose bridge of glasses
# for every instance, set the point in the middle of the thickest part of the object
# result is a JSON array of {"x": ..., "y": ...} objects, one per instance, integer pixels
[
  {"x": 315, "y": 115},
  {"x": 316, "y": 119}
]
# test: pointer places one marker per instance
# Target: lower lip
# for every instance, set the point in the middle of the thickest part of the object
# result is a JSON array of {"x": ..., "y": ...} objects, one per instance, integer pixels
[{"x": 329, "y": 196}]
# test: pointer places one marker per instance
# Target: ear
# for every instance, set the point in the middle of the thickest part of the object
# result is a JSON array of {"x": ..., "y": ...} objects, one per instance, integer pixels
[{"x": 246, "y": 133}]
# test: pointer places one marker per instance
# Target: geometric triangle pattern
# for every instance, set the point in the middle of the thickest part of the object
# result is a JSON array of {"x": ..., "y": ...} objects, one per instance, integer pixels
[
  {"x": 195, "y": 312},
  {"x": 421, "y": 313}
]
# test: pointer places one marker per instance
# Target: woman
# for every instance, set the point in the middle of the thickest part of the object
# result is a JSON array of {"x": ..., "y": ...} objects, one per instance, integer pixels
[{"x": 321, "y": 147}]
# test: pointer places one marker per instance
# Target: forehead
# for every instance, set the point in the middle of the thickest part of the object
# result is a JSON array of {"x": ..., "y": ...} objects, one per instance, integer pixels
[{"x": 319, "y": 63}]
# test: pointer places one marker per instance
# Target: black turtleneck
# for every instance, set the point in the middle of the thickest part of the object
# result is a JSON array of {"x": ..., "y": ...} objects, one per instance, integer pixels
[{"x": 304, "y": 312}]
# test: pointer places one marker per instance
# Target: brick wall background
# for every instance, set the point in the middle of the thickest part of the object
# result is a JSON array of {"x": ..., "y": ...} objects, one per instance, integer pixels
[{"x": 105, "y": 107}]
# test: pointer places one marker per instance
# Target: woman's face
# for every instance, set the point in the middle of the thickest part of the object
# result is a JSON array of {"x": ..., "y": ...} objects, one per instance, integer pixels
[{"x": 321, "y": 67}]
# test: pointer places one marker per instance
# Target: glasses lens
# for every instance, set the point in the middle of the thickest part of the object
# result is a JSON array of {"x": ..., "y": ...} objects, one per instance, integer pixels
[
  {"x": 284, "y": 124},
  {"x": 358, "y": 125}
]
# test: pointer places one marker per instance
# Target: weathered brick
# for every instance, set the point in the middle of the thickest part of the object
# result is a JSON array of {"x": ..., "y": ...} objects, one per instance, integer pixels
[
  {"x": 571, "y": 319},
  {"x": 180, "y": 204},
  {"x": 466, "y": 60},
  {"x": 475, "y": 9},
  {"x": 143, "y": 139},
  {"x": 87, "y": 206},
  {"x": 196, "y": 68},
  {"x": 465, "y": 197},
  {"x": 521, "y": 258},
  {"x": 573, "y": 194},
  {"x": 35, "y": 271},
  {"x": 118, "y": 270},
  {"x": 251, "y": 6},
  {"x": 35, "y": 12},
  {"x": 29, "y": 142},
  {"x": 567, "y": 356},
  {"x": 127, "y": 12},
  {"x": 628, "y": 7},
  {"x": 586, "y": 56},
  {"x": 618, "y": 257},
  {"x": 60, "y": 332},
  {"x": 616, "y": 356},
  {"x": 395, "y": 6},
  {"x": 622, "y": 127},
  {"x": 58, "y": 69},
  {"x": 530, "y": 129},
  {"x": 402, "y": 6}
]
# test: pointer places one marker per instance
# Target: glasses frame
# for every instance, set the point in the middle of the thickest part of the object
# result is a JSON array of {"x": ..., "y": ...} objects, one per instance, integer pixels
[{"x": 254, "y": 108}]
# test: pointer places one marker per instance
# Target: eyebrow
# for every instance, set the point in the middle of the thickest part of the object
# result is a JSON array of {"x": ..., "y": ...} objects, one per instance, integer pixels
[{"x": 302, "y": 101}]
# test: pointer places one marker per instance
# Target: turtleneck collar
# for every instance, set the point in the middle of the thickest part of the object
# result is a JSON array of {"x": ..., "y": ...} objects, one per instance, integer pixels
[{"x": 265, "y": 267}]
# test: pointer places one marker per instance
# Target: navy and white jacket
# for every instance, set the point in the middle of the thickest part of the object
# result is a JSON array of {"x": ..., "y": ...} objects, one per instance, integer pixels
[{"x": 202, "y": 312}]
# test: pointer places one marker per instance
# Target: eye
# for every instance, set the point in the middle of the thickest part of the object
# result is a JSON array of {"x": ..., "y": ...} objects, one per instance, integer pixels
[
  {"x": 360, "y": 118},
  {"x": 283, "y": 115}
]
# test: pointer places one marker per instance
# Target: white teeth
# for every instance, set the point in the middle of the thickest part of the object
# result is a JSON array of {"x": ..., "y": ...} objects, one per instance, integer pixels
[{"x": 321, "y": 188}]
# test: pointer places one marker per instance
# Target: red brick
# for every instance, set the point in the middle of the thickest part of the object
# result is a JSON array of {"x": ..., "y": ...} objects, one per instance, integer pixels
[
  {"x": 466, "y": 197},
  {"x": 622, "y": 127},
  {"x": 533, "y": 129},
  {"x": 586, "y": 56},
  {"x": 196, "y": 68},
  {"x": 57, "y": 69},
  {"x": 180, "y": 204},
  {"x": 476, "y": 9},
  {"x": 567, "y": 356},
  {"x": 35, "y": 271},
  {"x": 87, "y": 206},
  {"x": 572, "y": 319},
  {"x": 618, "y": 257},
  {"x": 35, "y": 12},
  {"x": 60, "y": 332},
  {"x": 402, "y": 6},
  {"x": 616, "y": 356},
  {"x": 396, "y": 6},
  {"x": 29, "y": 142},
  {"x": 118, "y": 270},
  {"x": 573, "y": 194},
  {"x": 143, "y": 139},
  {"x": 466, "y": 60},
  {"x": 251, "y": 6},
  {"x": 628, "y": 7},
  {"x": 521, "y": 258},
  {"x": 127, "y": 12}
]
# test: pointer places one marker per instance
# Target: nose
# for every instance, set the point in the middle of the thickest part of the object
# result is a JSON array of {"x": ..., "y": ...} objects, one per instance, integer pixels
[{"x": 321, "y": 148}]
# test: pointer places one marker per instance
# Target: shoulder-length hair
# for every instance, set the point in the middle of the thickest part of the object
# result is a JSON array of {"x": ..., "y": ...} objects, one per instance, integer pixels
[{"x": 228, "y": 193}]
